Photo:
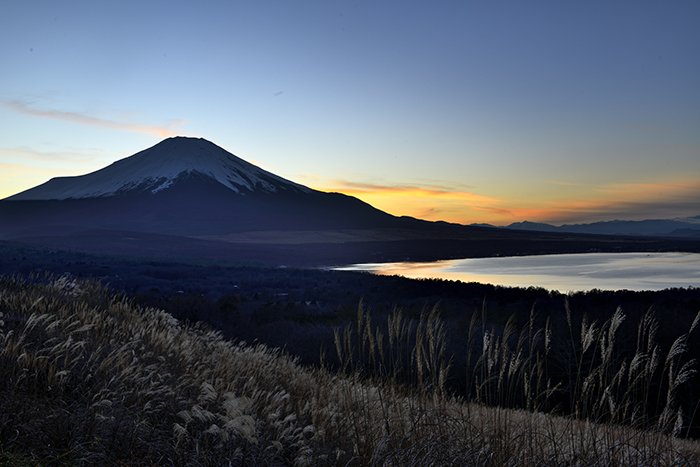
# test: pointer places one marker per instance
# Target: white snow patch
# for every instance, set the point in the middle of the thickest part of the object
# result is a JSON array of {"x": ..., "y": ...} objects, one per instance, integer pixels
[{"x": 156, "y": 169}]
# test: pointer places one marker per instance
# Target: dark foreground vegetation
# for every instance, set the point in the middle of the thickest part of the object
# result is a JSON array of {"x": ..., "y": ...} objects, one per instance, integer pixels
[
  {"x": 90, "y": 378},
  {"x": 419, "y": 370},
  {"x": 422, "y": 241}
]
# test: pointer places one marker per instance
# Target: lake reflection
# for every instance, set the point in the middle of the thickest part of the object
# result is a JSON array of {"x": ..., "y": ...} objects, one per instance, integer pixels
[{"x": 575, "y": 272}]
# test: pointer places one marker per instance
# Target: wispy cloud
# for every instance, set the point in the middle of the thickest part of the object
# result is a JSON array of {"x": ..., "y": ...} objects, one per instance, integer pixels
[
  {"x": 627, "y": 201},
  {"x": 677, "y": 188},
  {"x": 45, "y": 156},
  {"x": 26, "y": 108},
  {"x": 437, "y": 191},
  {"x": 433, "y": 201},
  {"x": 674, "y": 198}
]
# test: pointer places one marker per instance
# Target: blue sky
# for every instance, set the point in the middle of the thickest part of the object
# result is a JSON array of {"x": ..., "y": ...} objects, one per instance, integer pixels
[{"x": 466, "y": 111}]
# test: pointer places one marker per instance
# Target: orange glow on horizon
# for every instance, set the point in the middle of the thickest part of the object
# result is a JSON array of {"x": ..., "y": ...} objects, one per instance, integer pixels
[
  {"x": 423, "y": 202},
  {"x": 598, "y": 203}
]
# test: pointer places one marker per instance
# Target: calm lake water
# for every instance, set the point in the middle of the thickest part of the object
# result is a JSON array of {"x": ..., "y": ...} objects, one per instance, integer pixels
[{"x": 576, "y": 272}]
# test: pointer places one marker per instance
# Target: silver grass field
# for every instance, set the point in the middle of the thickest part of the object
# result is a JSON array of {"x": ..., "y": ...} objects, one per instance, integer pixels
[{"x": 89, "y": 378}]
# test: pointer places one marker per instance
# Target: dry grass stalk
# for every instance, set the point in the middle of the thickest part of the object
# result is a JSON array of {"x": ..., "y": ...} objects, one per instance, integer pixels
[{"x": 89, "y": 378}]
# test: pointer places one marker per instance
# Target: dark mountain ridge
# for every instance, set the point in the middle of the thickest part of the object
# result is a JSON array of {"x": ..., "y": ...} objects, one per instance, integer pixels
[
  {"x": 165, "y": 189},
  {"x": 189, "y": 198},
  {"x": 647, "y": 227}
]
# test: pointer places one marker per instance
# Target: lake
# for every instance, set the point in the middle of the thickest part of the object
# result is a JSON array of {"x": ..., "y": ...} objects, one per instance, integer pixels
[{"x": 565, "y": 273}]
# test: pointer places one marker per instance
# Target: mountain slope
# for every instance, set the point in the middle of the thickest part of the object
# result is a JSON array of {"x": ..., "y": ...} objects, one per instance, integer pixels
[
  {"x": 154, "y": 202},
  {"x": 182, "y": 186},
  {"x": 160, "y": 168},
  {"x": 193, "y": 398}
]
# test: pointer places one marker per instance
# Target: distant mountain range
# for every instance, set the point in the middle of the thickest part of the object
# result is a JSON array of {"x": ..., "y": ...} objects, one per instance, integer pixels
[
  {"x": 189, "y": 198},
  {"x": 686, "y": 227}
]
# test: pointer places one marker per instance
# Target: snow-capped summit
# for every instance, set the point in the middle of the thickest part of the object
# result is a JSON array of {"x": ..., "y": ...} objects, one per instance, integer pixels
[
  {"x": 161, "y": 167},
  {"x": 181, "y": 186}
]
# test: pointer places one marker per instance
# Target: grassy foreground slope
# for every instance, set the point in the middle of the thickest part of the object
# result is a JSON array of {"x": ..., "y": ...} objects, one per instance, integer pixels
[{"x": 89, "y": 378}]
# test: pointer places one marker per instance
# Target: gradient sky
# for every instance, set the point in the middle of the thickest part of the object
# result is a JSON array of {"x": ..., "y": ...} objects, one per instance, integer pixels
[{"x": 488, "y": 111}]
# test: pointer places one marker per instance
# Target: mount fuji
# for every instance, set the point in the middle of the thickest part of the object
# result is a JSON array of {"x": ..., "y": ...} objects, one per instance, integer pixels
[
  {"x": 161, "y": 167},
  {"x": 189, "y": 198},
  {"x": 182, "y": 186}
]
